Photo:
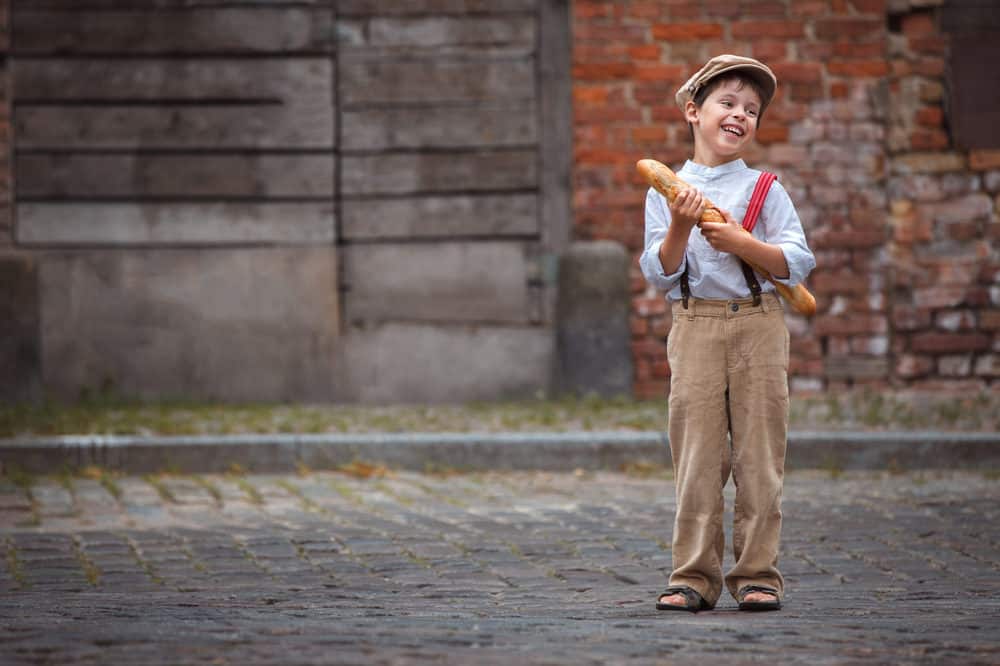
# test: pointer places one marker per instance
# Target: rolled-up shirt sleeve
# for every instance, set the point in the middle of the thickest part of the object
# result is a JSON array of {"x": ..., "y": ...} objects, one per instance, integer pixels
[
  {"x": 657, "y": 222},
  {"x": 784, "y": 229}
]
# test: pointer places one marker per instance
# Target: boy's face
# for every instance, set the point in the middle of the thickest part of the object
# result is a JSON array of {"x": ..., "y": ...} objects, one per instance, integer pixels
[{"x": 725, "y": 124}]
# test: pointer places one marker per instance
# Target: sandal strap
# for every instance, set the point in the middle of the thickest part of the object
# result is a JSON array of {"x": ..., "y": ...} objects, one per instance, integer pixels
[
  {"x": 690, "y": 594},
  {"x": 747, "y": 589}
]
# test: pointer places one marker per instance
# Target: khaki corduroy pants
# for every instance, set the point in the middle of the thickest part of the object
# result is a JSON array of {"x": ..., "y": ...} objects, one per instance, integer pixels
[{"x": 728, "y": 414}]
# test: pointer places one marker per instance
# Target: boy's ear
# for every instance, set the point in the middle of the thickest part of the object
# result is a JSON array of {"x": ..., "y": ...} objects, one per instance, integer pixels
[{"x": 690, "y": 112}]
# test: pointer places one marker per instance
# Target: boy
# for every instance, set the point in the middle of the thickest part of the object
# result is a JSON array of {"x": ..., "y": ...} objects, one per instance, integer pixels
[{"x": 728, "y": 344}]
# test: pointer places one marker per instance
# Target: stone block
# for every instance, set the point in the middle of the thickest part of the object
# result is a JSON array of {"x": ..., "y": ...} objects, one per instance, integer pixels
[
  {"x": 457, "y": 281},
  {"x": 593, "y": 333},
  {"x": 227, "y": 324},
  {"x": 438, "y": 363},
  {"x": 20, "y": 357}
]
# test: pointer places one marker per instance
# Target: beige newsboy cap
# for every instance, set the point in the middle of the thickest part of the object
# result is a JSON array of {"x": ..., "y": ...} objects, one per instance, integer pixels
[{"x": 728, "y": 63}]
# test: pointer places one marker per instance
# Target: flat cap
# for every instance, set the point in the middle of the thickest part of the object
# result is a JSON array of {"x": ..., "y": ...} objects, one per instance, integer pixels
[{"x": 721, "y": 64}]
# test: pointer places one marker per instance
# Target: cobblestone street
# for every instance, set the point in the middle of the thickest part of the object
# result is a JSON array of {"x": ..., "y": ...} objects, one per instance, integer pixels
[{"x": 506, "y": 568}]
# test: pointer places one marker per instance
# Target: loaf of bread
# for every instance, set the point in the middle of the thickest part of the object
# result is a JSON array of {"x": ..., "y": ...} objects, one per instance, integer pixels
[{"x": 666, "y": 182}]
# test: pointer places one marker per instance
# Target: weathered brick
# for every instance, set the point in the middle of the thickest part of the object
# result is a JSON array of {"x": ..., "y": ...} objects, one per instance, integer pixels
[
  {"x": 759, "y": 29},
  {"x": 944, "y": 343},
  {"x": 981, "y": 160},
  {"x": 940, "y": 297},
  {"x": 860, "y": 68},
  {"x": 955, "y": 366},
  {"x": 929, "y": 162},
  {"x": 988, "y": 365},
  {"x": 832, "y": 29},
  {"x": 674, "y": 32},
  {"x": 910, "y": 366},
  {"x": 909, "y": 318}
]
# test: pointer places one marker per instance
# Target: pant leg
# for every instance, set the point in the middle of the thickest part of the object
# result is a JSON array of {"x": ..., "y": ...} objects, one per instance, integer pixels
[
  {"x": 758, "y": 391},
  {"x": 699, "y": 446}
]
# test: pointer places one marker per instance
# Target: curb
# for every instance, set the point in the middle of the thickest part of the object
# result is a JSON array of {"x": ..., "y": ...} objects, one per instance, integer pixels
[{"x": 614, "y": 450}]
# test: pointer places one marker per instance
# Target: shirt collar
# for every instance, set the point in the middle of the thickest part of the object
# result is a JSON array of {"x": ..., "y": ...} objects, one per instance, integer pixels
[{"x": 708, "y": 173}]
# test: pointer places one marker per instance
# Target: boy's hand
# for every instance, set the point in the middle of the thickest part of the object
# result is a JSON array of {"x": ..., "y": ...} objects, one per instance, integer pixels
[
  {"x": 686, "y": 208},
  {"x": 725, "y": 237}
]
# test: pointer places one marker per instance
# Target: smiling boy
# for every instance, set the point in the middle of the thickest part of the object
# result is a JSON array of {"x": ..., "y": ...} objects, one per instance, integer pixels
[{"x": 728, "y": 343}]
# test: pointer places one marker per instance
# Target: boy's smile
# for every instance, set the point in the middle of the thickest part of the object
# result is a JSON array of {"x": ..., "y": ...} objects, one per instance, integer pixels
[{"x": 725, "y": 123}]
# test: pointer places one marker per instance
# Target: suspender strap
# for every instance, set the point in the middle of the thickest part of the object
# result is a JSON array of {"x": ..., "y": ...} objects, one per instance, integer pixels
[
  {"x": 750, "y": 221},
  {"x": 757, "y": 199},
  {"x": 685, "y": 288},
  {"x": 756, "y": 205}
]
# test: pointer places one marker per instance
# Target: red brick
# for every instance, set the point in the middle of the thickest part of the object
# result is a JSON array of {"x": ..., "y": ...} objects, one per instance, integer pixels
[
  {"x": 764, "y": 8},
  {"x": 981, "y": 160},
  {"x": 646, "y": 52},
  {"x": 790, "y": 72},
  {"x": 909, "y": 318},
  {"x": 808, "y": 7},
  {"x": 772, "y": 134},
  {"x": 590, "y": 95},
  {"x": 645, "y": 10},
  {"x": 649, "y": 135},
  {"x": 675, "y": 32},
  {"x": 760, "y": 29},
  {"x": 918, "y": 24},
  {"x": 659, "y": 73},
  {"x": 859, "y": 51},
  {"x": 948, "y": 343},
  {"x": 603, "y": 71},
  {"x": 661, "y": 369},
  {"x": 858, "y": 324},
  {"x": 909, "y": 366},
  {"x": 929, "y": 139},
  {"x": 859, "y": 68},
  {"x": 582, "y": 9},
  {"x": 830, "y": 29},
  {"x": 869, "y": 6},
  {"x": 932, "y": 45},
  {"x": 930, "y": 116},
  {"x": 770, "y": 50}
]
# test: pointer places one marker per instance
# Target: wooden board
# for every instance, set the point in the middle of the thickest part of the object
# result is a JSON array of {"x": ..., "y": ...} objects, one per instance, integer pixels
[
  {"x": 241, "y": 29},
  {"x": 143, "y": 176},
  {"x": 435, "y": 81},
  {"x": 169, "y": 104},
  {"x": 122, "y": 224},
  {"x": 402, "y": 7},
  {"x": 435, "y": 32},
  {"x": 300, "y": 81},
  {"x": 440, "y": 127},
  {"x": 407, "y": 173},
  {"x": 440, "y": 217},
  {"x": 459, "y": 281}
]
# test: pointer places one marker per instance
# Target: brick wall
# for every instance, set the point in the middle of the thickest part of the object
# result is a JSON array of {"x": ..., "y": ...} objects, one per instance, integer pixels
[{"x": 906, "y": 283}]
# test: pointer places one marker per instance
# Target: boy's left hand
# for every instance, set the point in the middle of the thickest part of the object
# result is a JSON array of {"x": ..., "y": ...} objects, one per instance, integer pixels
[{"x": 725, "y": 237}]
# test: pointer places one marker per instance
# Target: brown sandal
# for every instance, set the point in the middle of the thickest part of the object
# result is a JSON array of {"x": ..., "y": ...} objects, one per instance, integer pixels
[
  {"x": 758, "y": 605},
  {"x": 694, "y": 601}
]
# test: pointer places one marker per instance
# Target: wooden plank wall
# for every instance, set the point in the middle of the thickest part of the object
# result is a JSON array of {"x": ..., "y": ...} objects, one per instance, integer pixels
[
  {"x": 406, "y": 131},
  {"x": 440, "y": 151},
  {"x": 164, "y": 123}
]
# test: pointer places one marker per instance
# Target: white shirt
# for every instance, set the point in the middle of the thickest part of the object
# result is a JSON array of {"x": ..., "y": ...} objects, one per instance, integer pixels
[{"x": 714, "y": 274}]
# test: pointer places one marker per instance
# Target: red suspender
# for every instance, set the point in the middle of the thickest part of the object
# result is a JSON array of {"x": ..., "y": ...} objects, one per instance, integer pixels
[{"x": 757, "y": 199}]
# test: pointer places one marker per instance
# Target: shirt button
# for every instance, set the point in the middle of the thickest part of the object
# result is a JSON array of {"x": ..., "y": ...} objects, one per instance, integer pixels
[{"x": 735, "y": 307}]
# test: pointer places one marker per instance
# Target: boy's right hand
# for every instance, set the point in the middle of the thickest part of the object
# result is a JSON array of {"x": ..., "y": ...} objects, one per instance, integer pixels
[{"x": 687, "y": 207}]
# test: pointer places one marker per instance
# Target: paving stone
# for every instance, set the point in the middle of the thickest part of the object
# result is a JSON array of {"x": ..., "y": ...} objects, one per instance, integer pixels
[{"x": 520, "y": 567}]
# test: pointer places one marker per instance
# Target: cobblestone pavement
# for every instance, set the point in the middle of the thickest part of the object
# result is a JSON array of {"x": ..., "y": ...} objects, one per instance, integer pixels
[{"x": 497, "y": 568}]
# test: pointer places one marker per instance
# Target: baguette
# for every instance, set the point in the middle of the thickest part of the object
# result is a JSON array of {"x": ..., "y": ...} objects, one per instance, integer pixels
[{"x": 666, "y": 182}]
